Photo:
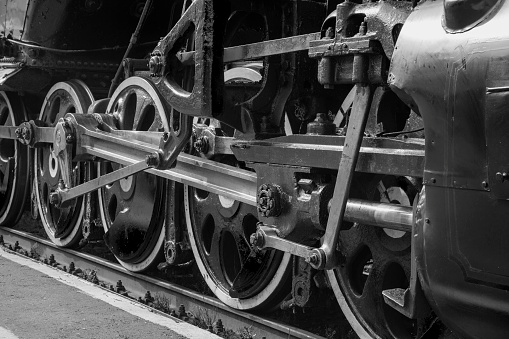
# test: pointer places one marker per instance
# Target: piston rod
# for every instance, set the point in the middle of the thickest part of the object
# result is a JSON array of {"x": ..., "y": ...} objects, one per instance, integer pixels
[
  {"x": 377, "y": 214},
  {"x": 384, "y": 215}
]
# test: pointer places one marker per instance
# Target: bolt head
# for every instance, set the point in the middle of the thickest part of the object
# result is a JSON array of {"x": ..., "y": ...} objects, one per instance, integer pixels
[
  {"x": 54, "y": 198},
  {"x": 155, "y": 65},
  {"x": 166, "y": 136},
  {"x": 256, "y": 239},
  {"x": 202, "y": 144},
  {"x": 313, "y": 258},
  {"x": 269, "y": 200},
  {"x": 152, "y": 160}
]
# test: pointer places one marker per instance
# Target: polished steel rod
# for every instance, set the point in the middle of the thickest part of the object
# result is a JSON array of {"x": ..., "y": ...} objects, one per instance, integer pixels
[{"x": 384, "y": 215}]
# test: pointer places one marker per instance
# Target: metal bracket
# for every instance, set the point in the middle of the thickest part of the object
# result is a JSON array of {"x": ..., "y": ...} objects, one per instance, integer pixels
[
  {"x": 324, "y": 257},
  {"x": 411, "y": 302},
  {"x": 202, "y": 24}
]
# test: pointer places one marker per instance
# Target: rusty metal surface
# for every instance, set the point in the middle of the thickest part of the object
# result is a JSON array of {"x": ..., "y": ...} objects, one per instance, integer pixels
[
  {"x": 376, "y": 155},
  {"x": 259, "y": 50},
  {"x": 382, "y": 17},
  {"x": 202, "y": 22}
]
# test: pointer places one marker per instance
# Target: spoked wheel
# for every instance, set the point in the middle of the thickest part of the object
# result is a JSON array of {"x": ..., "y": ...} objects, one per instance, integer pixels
[
  {"x": 14, "y": 162},
  {"x": 132, "y": 209},
  {"x": 62, "y": 225},
  {"x": 219, "y": 230},
  {"x": 374, "y": 260}
]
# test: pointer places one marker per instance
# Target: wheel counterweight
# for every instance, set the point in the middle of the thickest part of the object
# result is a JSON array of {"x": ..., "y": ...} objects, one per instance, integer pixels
[
  {"x": 62, "y": 225},
  {"x": 14, "y": 163}
]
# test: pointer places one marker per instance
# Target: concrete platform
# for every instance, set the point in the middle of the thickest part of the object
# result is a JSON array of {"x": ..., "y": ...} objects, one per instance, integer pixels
[{"x": 37, "y": 301}]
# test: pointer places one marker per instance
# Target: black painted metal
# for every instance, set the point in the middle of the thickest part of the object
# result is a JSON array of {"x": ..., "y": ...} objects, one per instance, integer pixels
[
  {"x": 457, "y": 83},
  {"x": 203, "y": 21},
  {"x": 14, "y": 162},
  {"x": 133, "y": 206},
  {"x": 377, "y": 155}
]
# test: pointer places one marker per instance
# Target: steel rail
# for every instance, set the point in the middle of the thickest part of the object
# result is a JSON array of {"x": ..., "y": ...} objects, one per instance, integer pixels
[{"x": 138, "y": 285}]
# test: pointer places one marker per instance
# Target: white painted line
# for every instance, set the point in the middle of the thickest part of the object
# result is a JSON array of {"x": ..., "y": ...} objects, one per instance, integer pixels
[
  {"x": 134, "y": 308},
  {"x": 6, "y": 334}
]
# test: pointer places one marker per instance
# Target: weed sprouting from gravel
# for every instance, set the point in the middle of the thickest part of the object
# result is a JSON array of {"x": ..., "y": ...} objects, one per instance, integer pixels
[
  {"x": 34, "y": 251},
  {"x": 162, "y": 303},
  {"x": 204, "y": 318}
]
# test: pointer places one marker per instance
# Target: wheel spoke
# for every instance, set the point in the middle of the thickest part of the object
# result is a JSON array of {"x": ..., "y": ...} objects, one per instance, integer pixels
[{"x": 214, "y": 256}]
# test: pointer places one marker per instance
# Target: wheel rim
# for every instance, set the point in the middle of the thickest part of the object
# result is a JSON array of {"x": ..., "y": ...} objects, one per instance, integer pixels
[
  {"x": 14, "y": 163},
  {"x": 376, "y": 259},
  {"x": 131, "y": 208},
  {"x": 62, "y": 225}
]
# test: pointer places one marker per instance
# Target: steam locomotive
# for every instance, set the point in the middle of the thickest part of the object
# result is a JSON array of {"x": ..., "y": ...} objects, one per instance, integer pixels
[{"x": 286, "y": 146}]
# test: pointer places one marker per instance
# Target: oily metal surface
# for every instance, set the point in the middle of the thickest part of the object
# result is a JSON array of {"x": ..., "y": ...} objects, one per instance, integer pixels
[{"x": 137, "y": 284}]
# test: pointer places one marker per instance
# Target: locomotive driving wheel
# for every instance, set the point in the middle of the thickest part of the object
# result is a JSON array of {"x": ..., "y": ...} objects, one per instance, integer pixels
[
  {"x": 14, "y": 163},
  {"x": 372, "y": 260},
  {"x": 219, "y": 229},
  {"x": 132, "y": 209},
  {"x": 62, "y": 225}
]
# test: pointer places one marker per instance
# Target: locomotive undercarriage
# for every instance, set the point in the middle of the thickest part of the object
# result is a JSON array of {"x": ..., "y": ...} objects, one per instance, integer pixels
[{"x": 262, "y": 189}]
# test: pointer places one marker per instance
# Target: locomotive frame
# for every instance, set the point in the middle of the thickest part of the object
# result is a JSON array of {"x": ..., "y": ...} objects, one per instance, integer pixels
[{"x": 378, "y": 192}]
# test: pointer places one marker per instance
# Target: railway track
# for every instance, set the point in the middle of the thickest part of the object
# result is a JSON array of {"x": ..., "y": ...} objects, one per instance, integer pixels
[{"x": 137, "y": 285}]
